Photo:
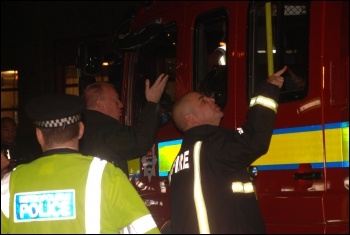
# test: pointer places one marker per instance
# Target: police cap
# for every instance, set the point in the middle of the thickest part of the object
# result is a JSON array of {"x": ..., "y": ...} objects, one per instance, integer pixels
[{"x": 55, "y": 110}]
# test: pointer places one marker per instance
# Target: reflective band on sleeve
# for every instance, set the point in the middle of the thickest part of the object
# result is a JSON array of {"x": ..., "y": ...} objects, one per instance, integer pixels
[
  {"x": 93, "y": 196},
  {"x": 140, "y": 226},
  {"x": 264, "y": 101},
  {"x": 5, "y": 194},
  {"x": 239, "y": 187},
  {"x": 201, "y": 210}
]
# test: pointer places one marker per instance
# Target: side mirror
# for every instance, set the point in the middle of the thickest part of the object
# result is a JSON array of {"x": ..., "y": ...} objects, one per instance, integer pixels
[{"x": 139, "y": 38}]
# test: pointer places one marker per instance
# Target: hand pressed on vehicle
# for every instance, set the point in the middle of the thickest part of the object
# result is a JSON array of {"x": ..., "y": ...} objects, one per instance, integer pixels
[{"x": 154, "y": 92}]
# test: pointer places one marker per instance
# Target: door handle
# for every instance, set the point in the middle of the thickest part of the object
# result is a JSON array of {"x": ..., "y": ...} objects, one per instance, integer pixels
[{"x": 308, "y": 176}]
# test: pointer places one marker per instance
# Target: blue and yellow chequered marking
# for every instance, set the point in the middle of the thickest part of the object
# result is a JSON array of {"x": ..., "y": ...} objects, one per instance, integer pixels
[
  {"x": 292, "y": 146},
  {"x": 167, "y": 151},
  {"x": 289, "y": 147}
]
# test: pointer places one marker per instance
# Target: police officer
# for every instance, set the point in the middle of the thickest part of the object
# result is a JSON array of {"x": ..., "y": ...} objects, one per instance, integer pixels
[
  {"x": 64, "y": 191},
  {"x": 210, "y": 188}
]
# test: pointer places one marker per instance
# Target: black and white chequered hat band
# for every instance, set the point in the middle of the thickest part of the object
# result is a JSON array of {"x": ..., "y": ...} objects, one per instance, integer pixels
[{"x": 58, "y": 122}]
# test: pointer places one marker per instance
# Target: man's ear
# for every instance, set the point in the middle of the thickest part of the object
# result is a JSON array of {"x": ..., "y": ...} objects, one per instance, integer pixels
[
  {"x": 100, "y": 106},
  {"x": 191, "y": 119},
  {"x": 81, "y": 130},
  {"x": 39, "y": 136}
]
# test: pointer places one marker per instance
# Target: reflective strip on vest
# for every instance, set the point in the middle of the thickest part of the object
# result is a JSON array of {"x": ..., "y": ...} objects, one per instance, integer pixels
[
  {"x": 239, "y": 187},
  {"x": 5, "y": 195},
  {"x": 201, "y": 210},
  {"x": 140, "y": 226},
  {"x": 93, "y": 196},
  {"x": 264, "y": 101}
]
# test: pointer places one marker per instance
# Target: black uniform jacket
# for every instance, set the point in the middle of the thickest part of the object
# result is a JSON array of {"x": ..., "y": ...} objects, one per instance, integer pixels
[
  {"x": 18, "y": 154},
  {"x": 225, "y": 155},
  {"x": 108, "y": 139}
]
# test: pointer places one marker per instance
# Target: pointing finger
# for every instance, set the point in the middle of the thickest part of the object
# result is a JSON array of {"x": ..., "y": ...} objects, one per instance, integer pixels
[
  {"x": 147, "y": 84},
  {"x": 280, "y": 72}
]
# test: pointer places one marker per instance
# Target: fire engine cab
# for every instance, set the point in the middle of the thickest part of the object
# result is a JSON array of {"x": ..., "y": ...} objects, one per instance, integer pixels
[{"x": 225, "y": 49}]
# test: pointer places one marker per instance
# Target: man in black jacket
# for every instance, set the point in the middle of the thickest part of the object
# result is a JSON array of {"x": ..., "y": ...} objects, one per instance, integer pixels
[
  {"x": 210, "y": 188},
  {"x": 106, "y": 137}
]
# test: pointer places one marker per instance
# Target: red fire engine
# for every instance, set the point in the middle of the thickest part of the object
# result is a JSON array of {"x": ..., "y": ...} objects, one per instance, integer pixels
[{"x": 224, "y": 49}]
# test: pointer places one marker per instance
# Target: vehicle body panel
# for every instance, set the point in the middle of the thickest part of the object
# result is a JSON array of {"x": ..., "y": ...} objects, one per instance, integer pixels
[{"x": 302, "y": 182}]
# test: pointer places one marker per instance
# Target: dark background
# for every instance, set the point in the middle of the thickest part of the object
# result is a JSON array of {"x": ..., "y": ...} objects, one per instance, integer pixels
[{"x": 39, "y": 38}]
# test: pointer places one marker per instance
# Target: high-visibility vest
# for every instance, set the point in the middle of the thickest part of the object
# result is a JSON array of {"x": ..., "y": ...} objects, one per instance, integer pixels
[{"x": 72, "y": 193}]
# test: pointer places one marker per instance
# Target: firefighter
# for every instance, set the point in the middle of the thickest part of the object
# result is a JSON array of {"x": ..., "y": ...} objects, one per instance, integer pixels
[
  {"x": 210, "y": 187},
  {"x": 64, "y": 191}
]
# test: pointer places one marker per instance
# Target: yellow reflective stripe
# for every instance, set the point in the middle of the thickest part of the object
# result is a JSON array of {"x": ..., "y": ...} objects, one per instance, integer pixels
[
  {"x": 264, "y": 101},
  {"x": 197, "y": 192},
  {"x": 93, "y": 196},
  {"x": 248, "y": 187},
  {"x": 140, "y": 226},
  {"x": 5, "y": 195},
  {"x": 239, "y": 187}
]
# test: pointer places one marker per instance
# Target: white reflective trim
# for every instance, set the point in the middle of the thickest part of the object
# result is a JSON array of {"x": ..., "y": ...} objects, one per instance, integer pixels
[
  {"x": 222, "y": 60},
  {"x": 201, "y": 210},
  {"x": 5, "y": 194},
  {"x": 140, "y": 226},
  {"x": 93, "y": 196},
  {"x": 239, "y": 187},
  {"x": 264, "y": 101}
]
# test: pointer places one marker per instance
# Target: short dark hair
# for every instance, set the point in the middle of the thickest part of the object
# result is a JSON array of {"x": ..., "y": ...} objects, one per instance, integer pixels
[{"x": 60, "y": 134}]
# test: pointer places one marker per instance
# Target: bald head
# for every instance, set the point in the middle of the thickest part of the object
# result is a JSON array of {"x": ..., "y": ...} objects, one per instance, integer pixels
[
  {"x": 194, "y": 109},
  {"x": 95, "y": 92},
  {"x": 181, "y": 108},
  {"x": 103, "y": 97}
]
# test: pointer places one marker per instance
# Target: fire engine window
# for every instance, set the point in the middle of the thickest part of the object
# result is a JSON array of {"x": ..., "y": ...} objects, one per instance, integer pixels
[
  {"x": 210, "y": 70},
  {"x": 290, "y": 46},
  {"x": 156, "y": 57}
]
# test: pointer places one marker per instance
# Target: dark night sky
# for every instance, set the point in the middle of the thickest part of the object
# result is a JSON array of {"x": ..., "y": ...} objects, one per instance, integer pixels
[
  {"x": 30, "y": 25},
  {"x": 62, "y": 19}
]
